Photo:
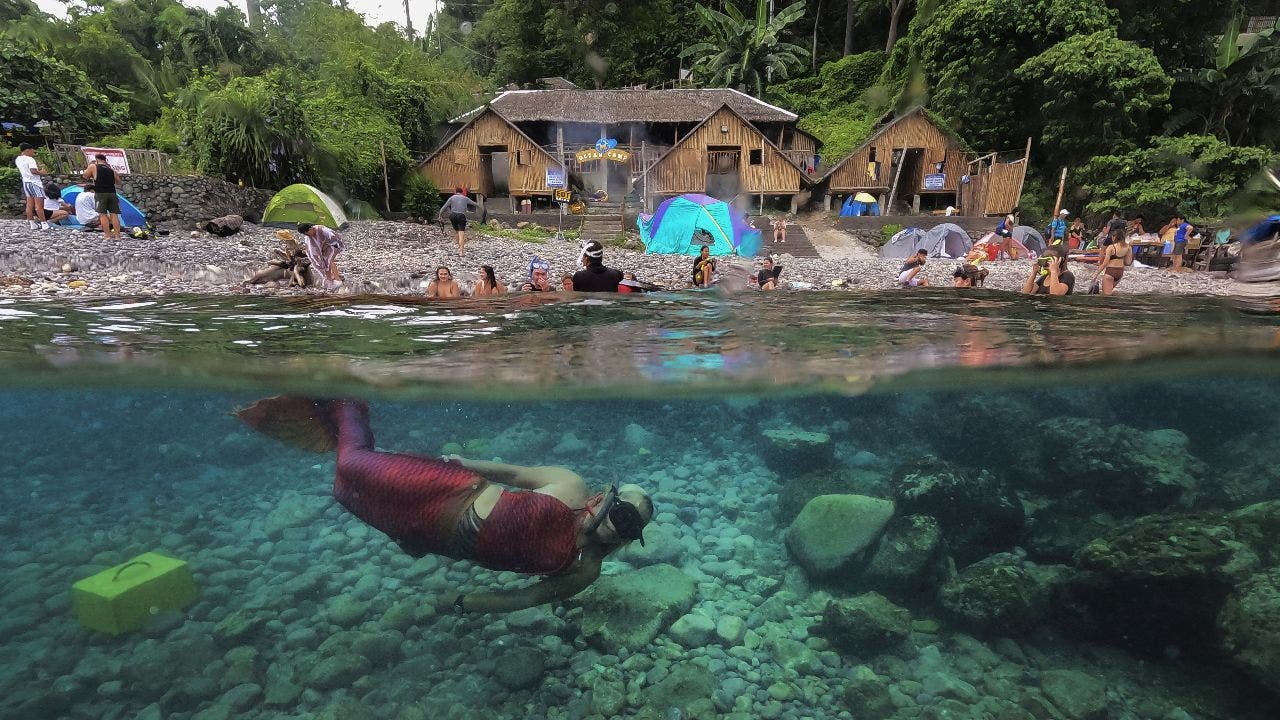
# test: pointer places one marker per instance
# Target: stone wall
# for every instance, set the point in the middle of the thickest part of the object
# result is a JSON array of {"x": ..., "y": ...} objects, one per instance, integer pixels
[{"x": 175, "y": 198}]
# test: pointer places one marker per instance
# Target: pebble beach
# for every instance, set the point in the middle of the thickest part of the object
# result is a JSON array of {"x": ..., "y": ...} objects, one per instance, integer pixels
[{"x": 397, "y": 258}]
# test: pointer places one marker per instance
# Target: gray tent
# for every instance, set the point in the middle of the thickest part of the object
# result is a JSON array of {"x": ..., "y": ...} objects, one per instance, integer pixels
[
  {"x": 1030, "y": 238},
  {"x": 947, "y": 240},
  {"x": 903, "y": 244}
]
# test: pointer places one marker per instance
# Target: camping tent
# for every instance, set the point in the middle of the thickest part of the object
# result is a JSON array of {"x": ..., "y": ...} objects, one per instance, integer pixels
[
  {"x": 672, "y": 227},
  {"x": 860, "y": 204},
  {"x": 947, "y": 240},
  {"x": 1030, "y": 239},
  {"x": 361, "y": 210},
  {"x": 903, "y": 244},
  {"x": 130, "y": 215},
  {"x": 301, "y": 203}
]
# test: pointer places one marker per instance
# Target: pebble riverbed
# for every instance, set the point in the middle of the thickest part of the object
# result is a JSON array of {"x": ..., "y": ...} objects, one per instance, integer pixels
[{"x": 397, "y": 258}]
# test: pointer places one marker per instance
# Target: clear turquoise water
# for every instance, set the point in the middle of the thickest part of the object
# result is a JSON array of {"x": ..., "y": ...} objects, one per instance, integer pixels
[{"x": 1143, "y": 424}]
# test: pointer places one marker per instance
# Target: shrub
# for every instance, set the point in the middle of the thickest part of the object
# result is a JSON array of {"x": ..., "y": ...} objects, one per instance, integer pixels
[
  {"x": 421, "y": 198},
  {"x": 888, "y": 231}
]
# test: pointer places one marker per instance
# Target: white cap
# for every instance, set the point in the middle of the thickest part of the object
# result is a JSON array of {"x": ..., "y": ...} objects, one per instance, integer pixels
[{"x": 1065, "y": 212}]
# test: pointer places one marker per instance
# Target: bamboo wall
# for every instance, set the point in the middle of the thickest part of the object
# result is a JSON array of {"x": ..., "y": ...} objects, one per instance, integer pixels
[
  {"x": 1001, "y": 186},
  {"x": 912, "y": 131},
  {"x": 684, "y": 169},
  {"x": 459, "y": 162}
]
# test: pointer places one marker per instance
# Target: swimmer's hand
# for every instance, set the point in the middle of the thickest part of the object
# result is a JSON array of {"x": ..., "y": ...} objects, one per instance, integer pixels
[{"x": 454, "y": 459}]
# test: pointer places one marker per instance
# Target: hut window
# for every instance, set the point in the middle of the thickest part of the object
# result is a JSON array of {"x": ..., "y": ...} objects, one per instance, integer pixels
[
  {"x": 522, "y": 158},
  {"x": 872, "y": 156},
  {"x": 757, "y": 156}
]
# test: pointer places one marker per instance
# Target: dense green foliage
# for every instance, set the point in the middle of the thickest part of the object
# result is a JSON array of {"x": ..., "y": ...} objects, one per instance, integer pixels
[
  {"x": 1194, "y": 174},
  {"x": 746, "y": 53},
  {"x": 306, "y": 96},
  {"x": 421, "y": 198}
]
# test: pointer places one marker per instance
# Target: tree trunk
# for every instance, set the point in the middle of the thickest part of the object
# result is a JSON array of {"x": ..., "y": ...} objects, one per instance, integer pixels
[
  {"x": 254, "y": 12},
  {"x": 898, "y": 7},
  {"x": 848, "y": 28},
  {"x": 408, "y": 22},
  {"x": 813, "y": 54}
]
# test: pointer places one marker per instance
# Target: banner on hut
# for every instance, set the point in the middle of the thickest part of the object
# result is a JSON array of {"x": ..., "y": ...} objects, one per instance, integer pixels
[
  {"x": 935, "y": 181},
  {"x": 605, "y": 149},
  {"x": 115, "y": 158},
  {"x": 555, "y": 178}
]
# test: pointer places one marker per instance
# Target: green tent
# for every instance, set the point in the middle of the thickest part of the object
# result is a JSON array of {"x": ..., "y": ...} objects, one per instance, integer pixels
[{"x": 301, "y": 203}]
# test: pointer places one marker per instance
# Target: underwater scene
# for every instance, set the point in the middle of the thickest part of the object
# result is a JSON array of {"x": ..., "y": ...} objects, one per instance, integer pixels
[{"x": 862, "y": 507}]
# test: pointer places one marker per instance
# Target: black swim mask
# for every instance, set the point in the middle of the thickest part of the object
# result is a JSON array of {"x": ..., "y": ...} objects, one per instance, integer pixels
[{"x": 627, "y": 521}]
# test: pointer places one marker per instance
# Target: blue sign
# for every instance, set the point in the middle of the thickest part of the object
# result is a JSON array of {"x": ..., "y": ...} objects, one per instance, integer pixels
[
  {"x": 935, "y": 181},
  {"x": 555, "y": 178},
  {"x": 604, "y": 145}
]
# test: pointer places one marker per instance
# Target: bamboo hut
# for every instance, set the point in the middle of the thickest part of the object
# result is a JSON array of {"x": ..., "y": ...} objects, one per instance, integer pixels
[{"x": 491, "y": 156}]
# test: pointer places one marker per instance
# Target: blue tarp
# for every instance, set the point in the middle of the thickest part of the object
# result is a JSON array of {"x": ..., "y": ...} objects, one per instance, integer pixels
[
  {"x": 130, "y": 215},
  {"x": 672, "y": 228},
  {"x": 856, "y": 208}
]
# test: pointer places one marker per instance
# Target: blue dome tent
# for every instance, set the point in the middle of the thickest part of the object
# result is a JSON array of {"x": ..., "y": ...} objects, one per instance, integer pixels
[
  {"x": 130, "y": 215},
  {"x": 675, "y": 224},
  {"x": 859, "y": 205}
]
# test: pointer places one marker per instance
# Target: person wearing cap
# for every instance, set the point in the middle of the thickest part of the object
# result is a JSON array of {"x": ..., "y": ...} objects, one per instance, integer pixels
[
  {"x": 530, "y": 520},
  {"x": 1058, "y": 232},
  {"x": 594, "y": 276},
  {"x": 103, "y": 177},
  {"x": 32, "y": 186}
]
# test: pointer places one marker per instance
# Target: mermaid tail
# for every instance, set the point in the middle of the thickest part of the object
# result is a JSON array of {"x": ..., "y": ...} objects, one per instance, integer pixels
[{"x": 301, "y": 422}]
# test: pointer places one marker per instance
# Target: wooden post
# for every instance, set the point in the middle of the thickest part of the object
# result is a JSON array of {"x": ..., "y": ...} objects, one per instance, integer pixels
[
  {"x": 893, "y": 191},
  {"x": 386, "y": 182},
  {"x": 1062, "y": 185},
  {"x": 564, "y": 164},
  {"x": 1026, "y": 161},
  {"x": 644, "y": 179}
]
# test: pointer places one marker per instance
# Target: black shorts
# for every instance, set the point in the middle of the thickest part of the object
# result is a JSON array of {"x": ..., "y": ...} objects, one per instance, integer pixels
[
  {"x": 459, "y": 221},
  {"x": 1179, "y": 248},
  {"x": 1005, "y": 233}
]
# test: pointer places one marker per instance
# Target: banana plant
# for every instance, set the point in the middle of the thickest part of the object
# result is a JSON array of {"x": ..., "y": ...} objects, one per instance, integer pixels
[{"x": 746, "y": 54}]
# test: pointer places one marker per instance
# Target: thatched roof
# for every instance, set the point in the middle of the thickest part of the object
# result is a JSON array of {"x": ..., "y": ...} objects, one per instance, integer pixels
[{"x": 624, "y": 106}]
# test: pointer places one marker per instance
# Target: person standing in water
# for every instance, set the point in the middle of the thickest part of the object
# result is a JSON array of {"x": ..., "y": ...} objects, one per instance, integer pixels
[
  {"x": 532, "y": 520},
  {"x": 456, "y": 208},
  {"x": 103, "y": 177}
]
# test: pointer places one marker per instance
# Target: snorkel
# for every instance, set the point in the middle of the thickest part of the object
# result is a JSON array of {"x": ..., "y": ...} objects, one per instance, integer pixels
[{"x": 625, "y": 518}]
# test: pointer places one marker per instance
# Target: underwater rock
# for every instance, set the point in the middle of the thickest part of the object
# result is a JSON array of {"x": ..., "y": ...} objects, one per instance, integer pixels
[
  {"x": 692, "y": 630},
  {"x": 1258, "y": 526},
  {"x": 907, "y": 559},
  {"x": 281, "y": 686},
  {"x": 790, "y": 451},
  {"x": 519, "y": 668},
  {"x": 834, "y": 530},
  {"x": 866, "y": 625},
  {"x": 1058, "y": 530},
  {"x": 689, "y": 683},
  {"x": 797, "y": 490},
  {"x": 661, "y": 546},
  {"x": 337, "y": 671},
  {"x": 979, "y": 515},
  {"x": 638, "y": 437},
  {"x": 238, "y": 625},
  {"x": 1002, "y": 594},
  {"x": 1078, "y": 695},
  {"x": 1249, "y": 627},
  {"x": 345, "y": 611},
  {"x": 570, "y": 444},
  {"x": 379, "y": 648},
  {"x": 730, "y": 629},
  {"x": 240, "y": 697},
  {"x": 629, "y": 610},
  {"x": 1133, "y": 471},
  {"x": 867, "y": 695},
  {"x": 1155, "y": 582}
]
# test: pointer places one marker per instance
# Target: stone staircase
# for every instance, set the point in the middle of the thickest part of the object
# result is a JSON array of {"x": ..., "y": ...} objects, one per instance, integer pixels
[
  {"x": 797, "y": 244},
  {"x": 603, "y": 221}
]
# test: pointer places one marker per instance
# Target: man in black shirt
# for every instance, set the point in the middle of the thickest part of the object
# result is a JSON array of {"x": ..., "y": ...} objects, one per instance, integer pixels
[
  {"x": 767, "y": 278},
  {"x": 595, "y": 277}
]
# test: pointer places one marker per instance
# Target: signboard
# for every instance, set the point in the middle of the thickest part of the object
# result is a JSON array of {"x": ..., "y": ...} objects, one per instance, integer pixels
[
  {"x": 563, "y": 196},
  {"x": 555, "y": 178},
  {"x": 115, "y": 158},
  {"x": 605, "y": 149},
  {"x": 935, "y": 181}
]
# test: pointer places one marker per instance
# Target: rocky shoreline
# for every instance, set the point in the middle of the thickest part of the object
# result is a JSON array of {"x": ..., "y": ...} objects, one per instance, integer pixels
[{"x": 397, "y": 258}]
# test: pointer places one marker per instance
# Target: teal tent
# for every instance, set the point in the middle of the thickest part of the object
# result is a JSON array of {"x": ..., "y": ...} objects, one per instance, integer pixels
[{"x": 674, "y": 228}]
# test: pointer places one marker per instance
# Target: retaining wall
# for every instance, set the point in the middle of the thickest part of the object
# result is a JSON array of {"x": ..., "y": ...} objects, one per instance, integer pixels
[{"x": 174, "y": 198}]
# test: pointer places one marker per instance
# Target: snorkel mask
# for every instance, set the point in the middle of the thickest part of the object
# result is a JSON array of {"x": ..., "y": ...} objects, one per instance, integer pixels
[{"x": 627, "y": 521}]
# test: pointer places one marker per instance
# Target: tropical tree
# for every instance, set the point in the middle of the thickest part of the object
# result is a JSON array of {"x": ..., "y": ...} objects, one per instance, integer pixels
[
  {"x": 1224, "y": 100},
  {"x": 35, "y": 87},
  {"x": 746, "y": 54},
  {"x": 254, "y": 131}
]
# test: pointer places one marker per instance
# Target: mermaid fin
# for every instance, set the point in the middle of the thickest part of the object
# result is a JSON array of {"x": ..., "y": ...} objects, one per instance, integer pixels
[{"x": 298, "y": 421}]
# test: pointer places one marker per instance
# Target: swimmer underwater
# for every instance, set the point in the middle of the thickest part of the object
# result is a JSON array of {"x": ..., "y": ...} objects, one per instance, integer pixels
[{"x": 543, "y": 522}]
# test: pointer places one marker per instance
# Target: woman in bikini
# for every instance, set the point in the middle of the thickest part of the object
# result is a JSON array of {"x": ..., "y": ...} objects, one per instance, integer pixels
[
  {"x": 1114, "y": 258},
  {"x": 488, "y": 283},
  {"x": 533, "y": 520},
  {"x": 443, "y": 287}
]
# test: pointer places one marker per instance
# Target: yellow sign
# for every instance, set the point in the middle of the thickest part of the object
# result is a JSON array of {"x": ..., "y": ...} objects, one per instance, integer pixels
[
  {"x": 563, "y": 196},
  {"x": 615, "y": 155}
]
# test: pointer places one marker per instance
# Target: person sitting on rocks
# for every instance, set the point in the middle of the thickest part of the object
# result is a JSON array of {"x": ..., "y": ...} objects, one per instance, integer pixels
[
  {"x": 531, "y": 520},
  {"x": 488, "y": 283},
  {"x": 907, "y": 274},
  {"x": 289, "y": 262},
  {"x": 968, "y": 276},
  {"x": 87, "y": 209},
  {"x": 780, "y": 229},
  {"x": 704, "y": 268},
  {"x": 443, "y": 287},
  {"x": 539, "y": 276},
  {"x": 55, "y": 208},
  {"x": 323, "y": 246},
  {"x": 767, "y": 278}
]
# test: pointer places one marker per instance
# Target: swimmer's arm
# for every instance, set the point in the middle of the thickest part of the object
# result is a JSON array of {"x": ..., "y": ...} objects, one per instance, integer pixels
[{"x": 557, "y": 587}]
